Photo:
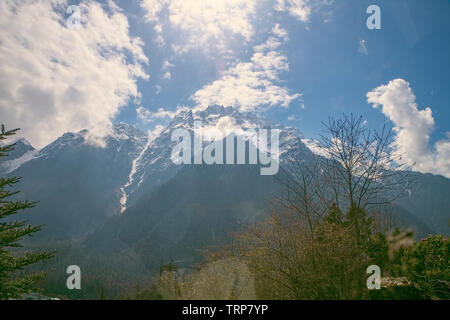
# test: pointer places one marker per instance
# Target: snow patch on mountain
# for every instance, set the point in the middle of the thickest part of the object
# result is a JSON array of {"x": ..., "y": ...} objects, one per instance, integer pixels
[
  {"x": 11, "y": 165},
  {"x": 136, "y": 162},
  {"x": 313, "y": 145},
  {"x": 153, "y": 165}
]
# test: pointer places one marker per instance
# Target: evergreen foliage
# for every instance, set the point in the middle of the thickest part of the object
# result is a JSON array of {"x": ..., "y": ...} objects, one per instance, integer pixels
[{"x": 11, "y": 233}]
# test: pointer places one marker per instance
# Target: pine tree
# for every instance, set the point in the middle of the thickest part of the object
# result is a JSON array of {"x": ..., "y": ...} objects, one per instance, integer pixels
[{"x": 11, "y": 233}]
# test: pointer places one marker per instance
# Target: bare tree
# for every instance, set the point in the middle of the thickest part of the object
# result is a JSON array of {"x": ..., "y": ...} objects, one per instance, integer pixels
[
  {"x": 355, "y": 165},
  {"x": 302, "y": 188},
  {"x": 363, "y": 165}
]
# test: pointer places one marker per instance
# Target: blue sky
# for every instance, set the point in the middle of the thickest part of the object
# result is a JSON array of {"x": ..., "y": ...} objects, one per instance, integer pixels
[
  {"x": 326, "y": 66},
  {"x": 295, "y": 61}
]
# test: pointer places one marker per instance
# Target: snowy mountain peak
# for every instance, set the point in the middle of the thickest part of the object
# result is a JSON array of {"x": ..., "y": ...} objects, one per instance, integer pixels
[
  {"x": 143, "y": 163},
  {"x": 153, "y": 165},
  {"x": 23, "y": 142},
  {"x": 122, "y": 130},
  {"x": 22, "y": 152}
]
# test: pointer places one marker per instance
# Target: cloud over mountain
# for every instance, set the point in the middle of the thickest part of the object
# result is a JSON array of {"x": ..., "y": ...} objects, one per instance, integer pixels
[
  {"x": 253, "y": 84},
  {"x": 412, "y": 126},
  {"x": 54, "y": 79}
]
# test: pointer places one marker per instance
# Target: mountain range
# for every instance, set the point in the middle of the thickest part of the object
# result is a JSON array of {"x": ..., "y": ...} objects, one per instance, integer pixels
[{"x": 128, "y": 205}]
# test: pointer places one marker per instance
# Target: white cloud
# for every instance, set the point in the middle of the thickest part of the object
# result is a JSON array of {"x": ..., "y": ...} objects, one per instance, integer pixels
[
  {"x": 54, "y": 79},
  {"x": 277, "y": 36},
  {"x": 167, "y": 75},
  {"x": 413, "y": 127},
  {"x": 271, "y": 44},
  {"x": 205, "y": 24},
  {"x": 280, "y": 32},
  {"x": 302, "y": 9},
  {"x": 211, "y": 25},
  {"x": 146, "y": 116},
  {"x": 152, "y": 134},
  {"x": 152, "y": 9},
  {"x": 249, "y": 85},
  {"x": 161, "y": 113},
  {"x": 160, "y": 41},
  {"x": 297, "y": 8},
  {"x": 223, "y": 127},
  {"x": 167, "y": 65}
]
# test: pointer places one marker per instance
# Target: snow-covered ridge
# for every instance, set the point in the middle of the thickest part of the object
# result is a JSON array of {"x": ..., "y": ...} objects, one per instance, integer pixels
[
  {"x": 144, "y": 160},
  {"x": 22, "y": 152},
  {"x": 11, "y": 165},
  {"x": 122, "y": 133},
  {"x": 135, "y": 164}
]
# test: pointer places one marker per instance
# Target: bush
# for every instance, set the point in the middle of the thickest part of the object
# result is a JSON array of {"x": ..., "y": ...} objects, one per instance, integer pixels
[{"x": 427, "y": 264}]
